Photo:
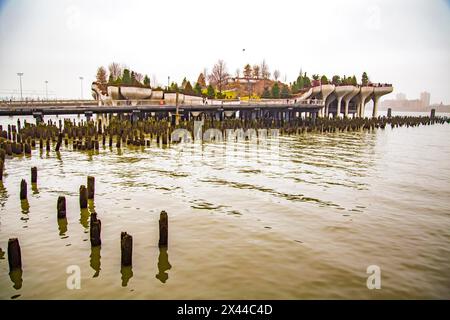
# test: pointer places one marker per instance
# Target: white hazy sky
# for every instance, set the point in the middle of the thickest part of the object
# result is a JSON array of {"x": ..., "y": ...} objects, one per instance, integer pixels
[{"x": 406, "y": 43}]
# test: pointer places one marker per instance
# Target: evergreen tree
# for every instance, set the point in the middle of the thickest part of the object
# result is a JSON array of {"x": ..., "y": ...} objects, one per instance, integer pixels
[
  {"x": 210, "y": 92},
  {"x": 198, "y": 89},
  {"x": 126, "y": 77},
  {"x": 188, "y": 89},
  {"x": 364, "y": 79},
  {"x": 300, "y": 82},
  {"x": 275, "y": 90},
  {"x": 285, "y": 92},
  {"x": 324, "y": 80},
  {"x": 201, "y": 80},
  {"x": 266, "y": 93}
]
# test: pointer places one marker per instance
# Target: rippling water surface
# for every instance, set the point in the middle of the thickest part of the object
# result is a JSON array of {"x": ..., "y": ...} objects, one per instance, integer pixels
[{"x": 301, "y": 218}]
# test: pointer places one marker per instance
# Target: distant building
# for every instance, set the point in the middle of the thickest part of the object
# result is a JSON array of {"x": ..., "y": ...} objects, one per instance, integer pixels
[
  {"x": 400, "y": 96},
  {"x": 425, "y": 99}
]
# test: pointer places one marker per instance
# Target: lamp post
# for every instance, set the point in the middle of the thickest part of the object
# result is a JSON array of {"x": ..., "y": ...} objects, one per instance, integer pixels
[
  {"x": 20, "y": 74},
  {"x": 168, "y": 83},
  {"x": 81, "y": 79},
  {"x": 46, "y": 89}
]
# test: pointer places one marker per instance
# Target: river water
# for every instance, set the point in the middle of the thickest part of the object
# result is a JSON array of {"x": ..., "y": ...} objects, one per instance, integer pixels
[{"x": 296, "y": 217}]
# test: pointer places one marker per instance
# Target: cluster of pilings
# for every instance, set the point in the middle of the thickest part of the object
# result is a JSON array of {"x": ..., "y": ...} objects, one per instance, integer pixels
[
  {"x": 85, "y": 194},
  {"x": 121, "y": 131}
]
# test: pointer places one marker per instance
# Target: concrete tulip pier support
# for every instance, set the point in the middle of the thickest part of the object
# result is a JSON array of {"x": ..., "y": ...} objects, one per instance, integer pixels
[
  {"x": 377, "y": 93},
  {"x": 348, "y": 97},
  {"x": 364, "y": 97},
  {"x": 341, "y": 92}
]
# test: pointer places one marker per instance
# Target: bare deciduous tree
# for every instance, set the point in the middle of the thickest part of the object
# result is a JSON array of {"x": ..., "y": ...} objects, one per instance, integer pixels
[
  {"x": 115, "y": 70},
  {"x": 256, "y": 72},
  {"x": 139, "y": 77},
  {"x": 276, "y": 74},
  {"x": 219, "y": 75},
  {"x": 265, "y": 73},
  {"x": 247, "y": 71}
]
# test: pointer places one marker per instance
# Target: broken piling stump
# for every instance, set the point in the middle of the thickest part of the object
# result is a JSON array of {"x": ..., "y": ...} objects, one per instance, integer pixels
[
  {"x": 95, "y": 229},
  {"x": 23, "y": 190},
  {"x": 91, "y": 187},
  {"x": 14, "y": 254},
  {"x": 126, "y": 246},
  {"x": 61, "y": 207},
  {"x": 83, "y": 197},
  {"x": 33, "y": 174},
  {"x": 2, "y": 167},
  {"x": 163, "y": 229}
]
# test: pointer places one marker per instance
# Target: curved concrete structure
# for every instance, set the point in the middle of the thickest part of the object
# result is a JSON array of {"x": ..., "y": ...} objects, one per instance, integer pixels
[
  {"x": 306, "y": 95},
  {"x": 113, "y": 93},
  {"x": 135, "y": 93},
  {"x": 341, "y": 92},
  {"x": 326, "y": 90},
  {"x": 349, "y": 97},
  {"x": 364, "y": 97},
  {"x": 377, "y": 93}
]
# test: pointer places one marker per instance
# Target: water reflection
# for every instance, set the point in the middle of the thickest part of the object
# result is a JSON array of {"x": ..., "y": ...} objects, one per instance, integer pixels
[
  {"x": 84, "y": 218},
  {"x": 16, "y": 278},
  {"x": 163, "y": 265},
  {"x": 95, "y": 260},
  {"x": 127, "y": 274},
  {"x": 2, "y": 254},
  {"x": 62, "y": 226},
  {"x": 34, "y": 188},
  {"x": 25, "y": 207},
  {"x": 3, "y": 194}
]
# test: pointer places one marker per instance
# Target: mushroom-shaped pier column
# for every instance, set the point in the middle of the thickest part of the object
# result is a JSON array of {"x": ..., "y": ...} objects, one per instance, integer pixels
[
  {"x": 326, "y": 90},
  {"x": 377, "y": 93},
  {"x": 363, "y": 97},
  {"x": 341, "y": 92},
  {"x": 349, "y": 97}
]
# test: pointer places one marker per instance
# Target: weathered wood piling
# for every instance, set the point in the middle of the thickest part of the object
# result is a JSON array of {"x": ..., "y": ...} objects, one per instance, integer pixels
[
  {"x": 61, "y": 207},
  {"x": 14, "y": 254},
  {"x": 83, "y": 197},
  {"x": 33, "y": 174},
  {"x": 163, "y": 229},
  {"x": 91, "y": 187},
  {"x": 126, "y": 245},
  {"x": 23, "y": 190},
  {"x": 95, "y": 230}
]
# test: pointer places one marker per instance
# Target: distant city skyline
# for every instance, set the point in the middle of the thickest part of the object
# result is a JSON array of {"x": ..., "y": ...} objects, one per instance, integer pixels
[{"x": 54, "y": 43}]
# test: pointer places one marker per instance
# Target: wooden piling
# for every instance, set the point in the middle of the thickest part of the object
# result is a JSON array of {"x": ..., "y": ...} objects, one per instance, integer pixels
[
  {"x": 83, "y": 197},
  {"x": 95, "y": 230},
  {"x": 23, "y": 190},
  {"x": 91, "y": 187},
  {"x": 61, "y": 207},
  {"x": 163, "y": 229},
  {"x": 33, "y": 175},
  {"x": 2, "y": 167},
  {"x": 47, "y": 146},
  {"x": 126, "y": 246},
  {"x": 14, "y": 254}
]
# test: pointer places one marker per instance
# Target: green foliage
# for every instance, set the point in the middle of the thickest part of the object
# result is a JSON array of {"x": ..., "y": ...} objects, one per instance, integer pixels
[
  {"x": 294, "y": 87},
  {"x": 184, "y": 82},
  {"x": 147, "y": 81},
  {"x": 307, "y": 81},
  {"x": 198, "y": 89},
  {"x": 364, "y": 79},
  {"x": 266, "y": 93},
  {"x": 353, "y": 81},
  {"x": 210, "y": 93},
  {"x": 174, "y": 87},
  {"x": 110, "y": 79},
  {"x": 336, "y": 80},
  {"x": 126, "y": 77},
  {"x": 300, "y": 82},
  {"x": 275, "y": 90},
  {"x": 324, "y": 80},
  {"x": 285, "y": 92},
  {"x": 221, "y": 95}
]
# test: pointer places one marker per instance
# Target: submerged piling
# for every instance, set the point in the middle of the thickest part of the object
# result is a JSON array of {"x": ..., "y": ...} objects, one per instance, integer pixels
[
  {"x": 126, "y": 246},
  {"x": 14, "y": 254},
  {"x": 2, "y": 165},
  {"x": 163, "y": 229},
  {"x": 61, "y": 207}
]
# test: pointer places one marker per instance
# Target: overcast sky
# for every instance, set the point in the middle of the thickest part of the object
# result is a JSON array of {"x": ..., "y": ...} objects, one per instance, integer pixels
[{"x": 405, "y": 43}]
